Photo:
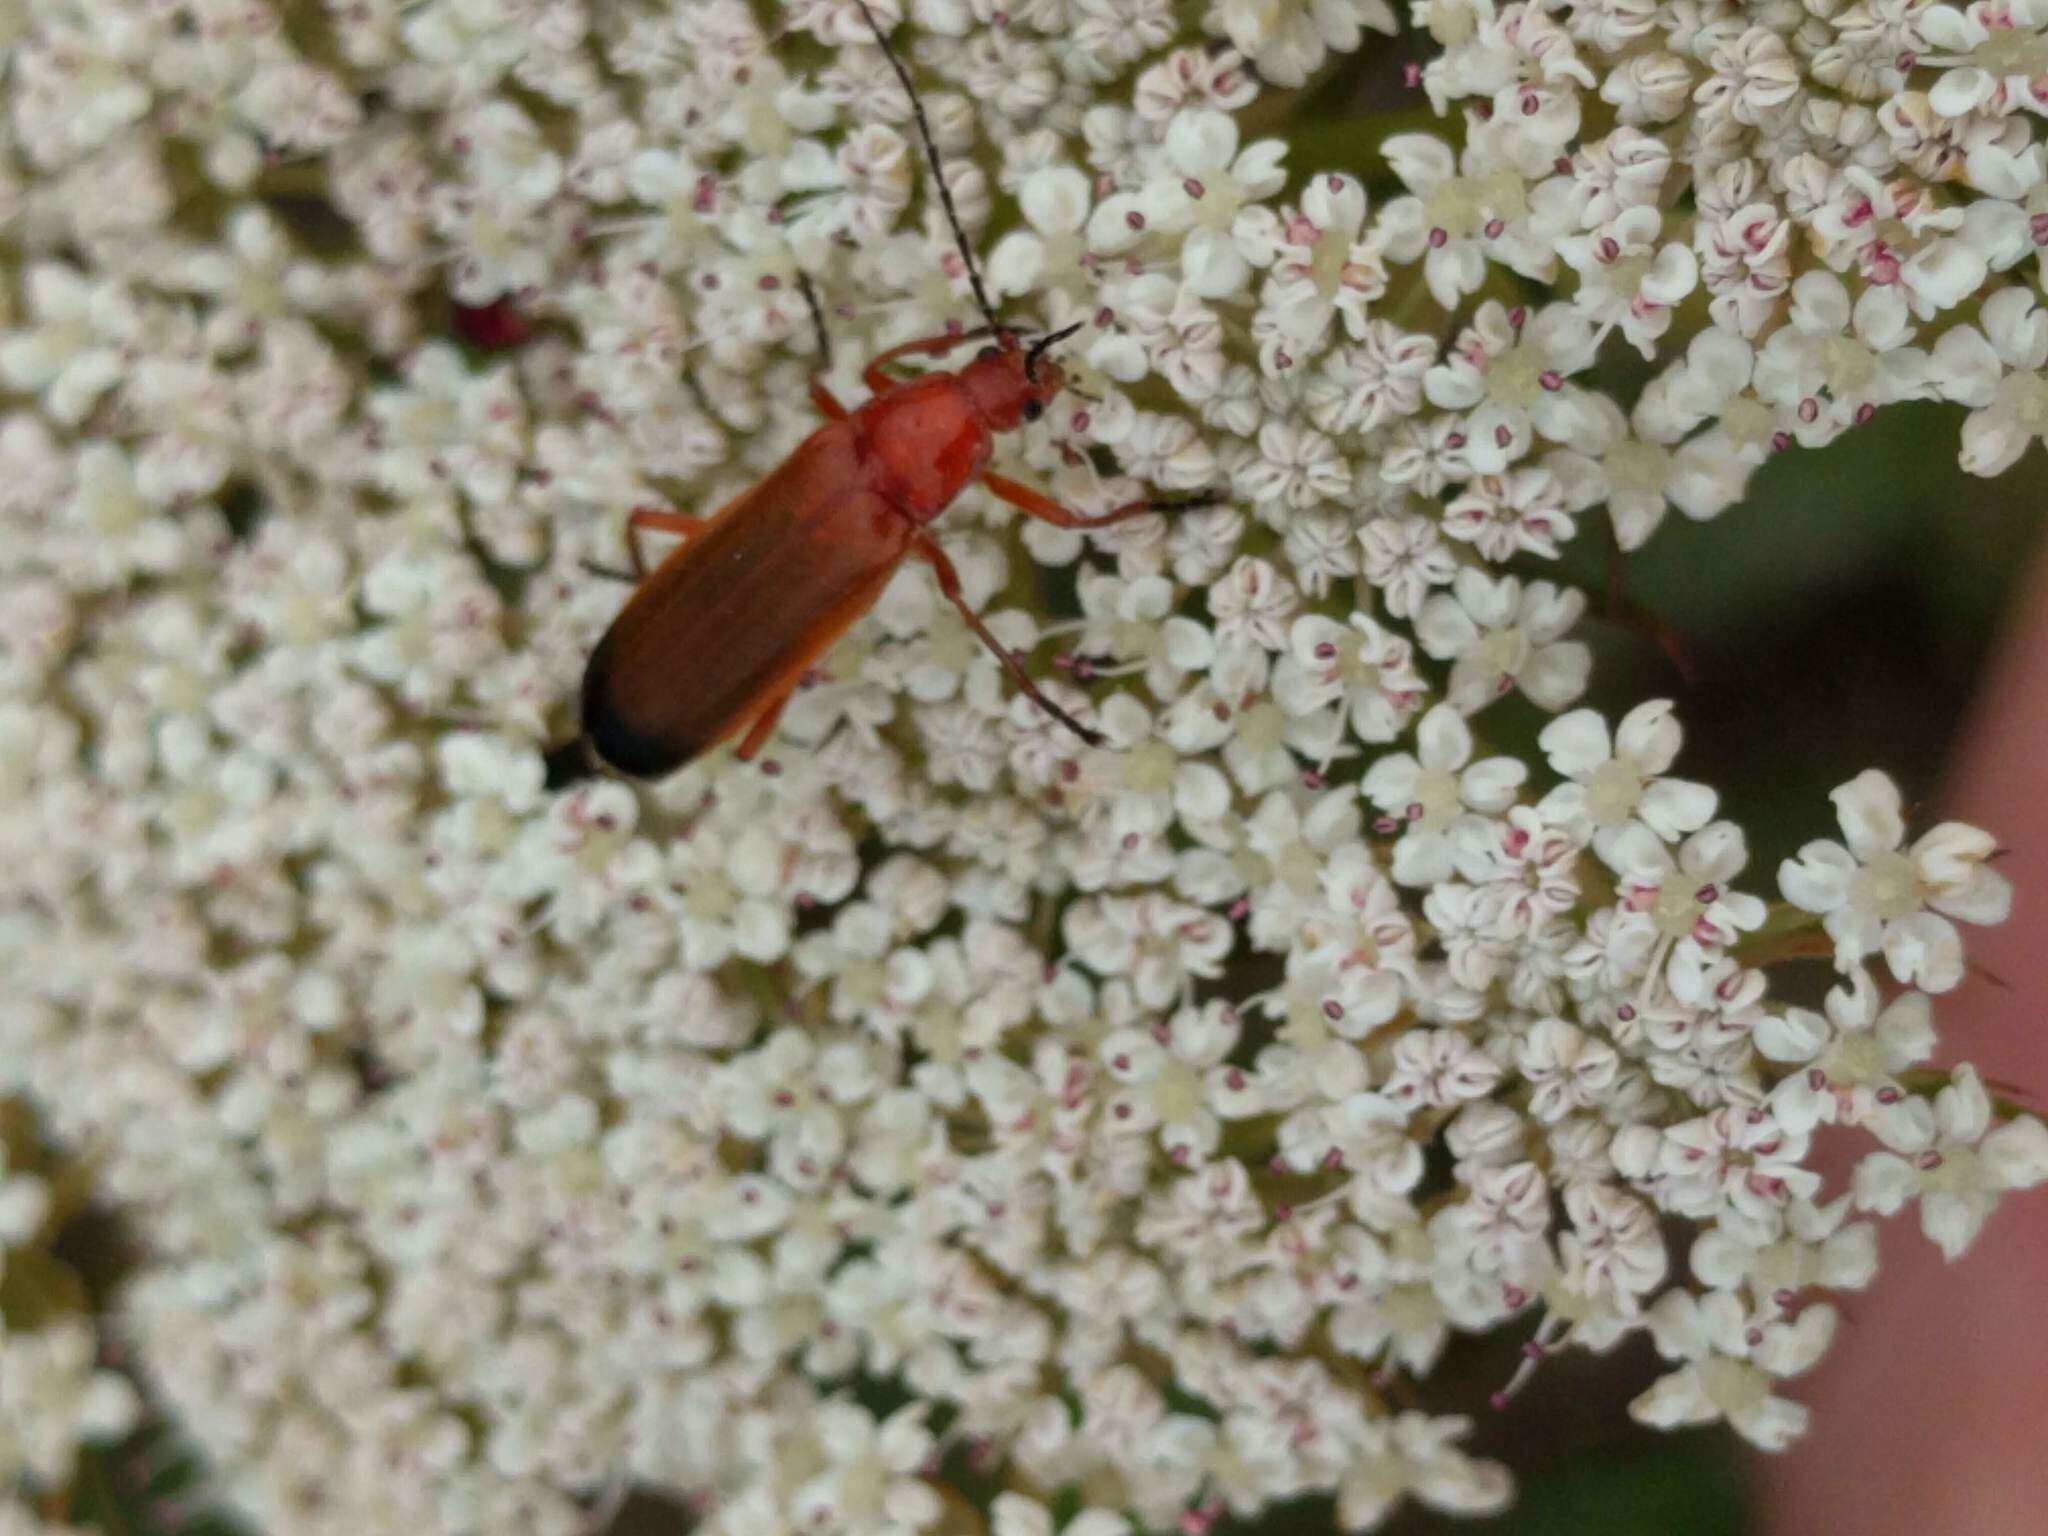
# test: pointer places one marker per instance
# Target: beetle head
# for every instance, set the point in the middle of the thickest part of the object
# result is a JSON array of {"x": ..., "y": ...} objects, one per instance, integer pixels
[{"x": 1011, "y": 383}]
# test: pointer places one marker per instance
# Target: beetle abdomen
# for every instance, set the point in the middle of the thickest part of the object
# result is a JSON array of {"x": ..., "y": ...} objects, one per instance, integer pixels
[
  {"x": 641, "y": 750},
  {"x": 724, "y": 628}
]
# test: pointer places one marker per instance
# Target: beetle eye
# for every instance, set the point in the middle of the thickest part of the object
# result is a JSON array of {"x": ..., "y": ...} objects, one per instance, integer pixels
[
  {"x": 988, "y": 352},
  {"x": 1033, "y": 409}
]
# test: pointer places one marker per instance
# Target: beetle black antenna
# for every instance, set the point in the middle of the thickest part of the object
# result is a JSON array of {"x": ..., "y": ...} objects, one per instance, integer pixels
[
  {"x": 931, "y": 149},
  {"x": 1049, "y": 339}
]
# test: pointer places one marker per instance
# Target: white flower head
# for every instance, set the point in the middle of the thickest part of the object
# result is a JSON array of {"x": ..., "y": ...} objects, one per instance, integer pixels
[
  {"x": 1500, "y": 636},
  {"x": 1613, "y": 778},
  {"x": 1947, "y": 1154},
  {"x": 1286, "y": 1001},
  {"x": 1875, "y": 894}
]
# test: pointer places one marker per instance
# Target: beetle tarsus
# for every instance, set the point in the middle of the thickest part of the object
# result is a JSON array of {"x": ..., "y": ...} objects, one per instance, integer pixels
[
  {"x": 803, "y": 282},
  {"x": 1088, "y": 734}
]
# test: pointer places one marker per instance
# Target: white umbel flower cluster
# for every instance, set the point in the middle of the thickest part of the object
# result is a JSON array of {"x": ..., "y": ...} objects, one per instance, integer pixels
[{"x": 1137, "y": 1121}]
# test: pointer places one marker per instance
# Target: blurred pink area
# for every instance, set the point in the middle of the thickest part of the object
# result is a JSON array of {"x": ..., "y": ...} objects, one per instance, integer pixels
[{"x": 1931, "y": 1412}]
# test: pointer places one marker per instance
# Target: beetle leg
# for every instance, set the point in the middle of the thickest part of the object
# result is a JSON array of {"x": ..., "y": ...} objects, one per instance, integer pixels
[
  {"x": 762, "y": 728},
  {"x": 661, "y": 520},
  {"x": 1041, "y": 506},
  {"x": 926, "y": 548},
  {"x": 803, "y": 282},
  {"x": 821, "y": 396},
  {"x": 876, "y": 374},
  {"x": 827, "y": 403},
  {"x": 682, "y": 526}
]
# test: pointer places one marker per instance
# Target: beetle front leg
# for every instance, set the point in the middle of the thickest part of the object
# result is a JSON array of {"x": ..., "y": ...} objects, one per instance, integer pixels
[
  {"x": 1041, "y": 506},
  {"x": 877, "y": 376},
  {"x": 927, "y": 549}
]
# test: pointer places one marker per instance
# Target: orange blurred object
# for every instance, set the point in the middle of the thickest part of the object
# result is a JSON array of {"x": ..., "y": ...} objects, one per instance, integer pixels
[{"x": 1931, "y": 1413}]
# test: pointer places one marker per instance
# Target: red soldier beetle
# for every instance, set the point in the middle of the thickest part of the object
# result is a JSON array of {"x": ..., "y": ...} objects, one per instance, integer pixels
[{"x": 757, "y": 592}]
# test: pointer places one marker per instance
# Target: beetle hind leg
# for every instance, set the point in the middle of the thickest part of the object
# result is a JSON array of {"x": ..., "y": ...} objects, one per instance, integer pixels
[
  {"x": 926, "y": 549},
  {"x": 661, "y": 520},
  {"x": 762, "y": 728}
]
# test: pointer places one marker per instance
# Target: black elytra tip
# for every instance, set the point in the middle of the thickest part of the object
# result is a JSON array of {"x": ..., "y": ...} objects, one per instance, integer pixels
[
  {"x": 567, "y": 763},
  {"x": 637, "y": 754},
  {"x": 1189, "y": 503}
]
